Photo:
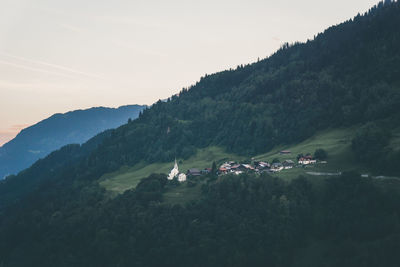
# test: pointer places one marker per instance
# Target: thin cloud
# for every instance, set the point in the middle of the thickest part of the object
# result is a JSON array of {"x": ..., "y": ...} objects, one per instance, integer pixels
[
  {"x": 33, "y": 69},
  {"x": 56, "y": 66},
  {"x": 8, "y": 134},
  {"x": 37, "y": 87},
  {"x": 18, "y": 127}
]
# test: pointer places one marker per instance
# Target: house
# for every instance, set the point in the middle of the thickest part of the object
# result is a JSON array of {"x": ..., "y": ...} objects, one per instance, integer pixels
[
  {"x": 285, "y": 152},
  {"x": 276, "y": 167},
  {"x": 235, "y": 167},
  {"x": 307, "y": 160},
  {"x": 206, "y": 171},
  {"x": 263, "y": 165},
  {"x": 176, "y": 174},
  {"x": 247, "y": 167},
  {"x": 181, "y": 177},
  {"x": 303, "y": 161},
  {"x": 222, "y": 170},
  {"x": 288, "y": 164},
  {"x": 193, "y": 172},
  {"x": 226, "y": 165}
]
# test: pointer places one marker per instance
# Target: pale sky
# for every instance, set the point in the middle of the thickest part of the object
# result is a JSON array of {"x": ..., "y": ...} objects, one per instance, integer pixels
[{"x": 57, "y": 56}]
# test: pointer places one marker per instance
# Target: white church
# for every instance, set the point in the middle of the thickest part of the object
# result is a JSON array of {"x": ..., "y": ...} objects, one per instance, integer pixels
[{"x": 175, "y": 173}]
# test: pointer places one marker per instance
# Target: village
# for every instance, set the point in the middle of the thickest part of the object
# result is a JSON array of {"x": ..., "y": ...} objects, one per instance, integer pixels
[{"x": 258, "y": 167}]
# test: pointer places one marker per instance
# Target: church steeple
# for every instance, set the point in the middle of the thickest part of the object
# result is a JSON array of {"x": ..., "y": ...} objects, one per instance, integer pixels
[{"x": 174, "y": 172}]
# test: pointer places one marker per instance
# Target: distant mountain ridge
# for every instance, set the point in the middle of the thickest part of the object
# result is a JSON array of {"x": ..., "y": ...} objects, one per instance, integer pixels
[{"x": 78, "y": 126}]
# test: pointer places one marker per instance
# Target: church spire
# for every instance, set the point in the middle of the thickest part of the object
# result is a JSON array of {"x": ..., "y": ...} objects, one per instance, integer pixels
[{"x": 174, "y": 172}]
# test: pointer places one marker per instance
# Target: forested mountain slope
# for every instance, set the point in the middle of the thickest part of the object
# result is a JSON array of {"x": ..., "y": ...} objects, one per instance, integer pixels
[
  {"x": 236, "y": 221},
  {"x": 346, "y": 76},
  {"x": 74, "y": 127},
  {"x": 59, "y": 166}
]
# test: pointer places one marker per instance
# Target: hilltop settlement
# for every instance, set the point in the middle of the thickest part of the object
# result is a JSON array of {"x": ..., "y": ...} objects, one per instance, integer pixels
[{"x": 233, "y": 167}]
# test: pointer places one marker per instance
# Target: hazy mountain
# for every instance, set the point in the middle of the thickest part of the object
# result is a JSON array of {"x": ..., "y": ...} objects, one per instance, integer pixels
[{"x": 74, "y": 127}]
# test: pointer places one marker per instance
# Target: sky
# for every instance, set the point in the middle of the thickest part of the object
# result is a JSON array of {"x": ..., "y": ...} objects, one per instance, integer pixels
[{"x": 58, "y": 55}]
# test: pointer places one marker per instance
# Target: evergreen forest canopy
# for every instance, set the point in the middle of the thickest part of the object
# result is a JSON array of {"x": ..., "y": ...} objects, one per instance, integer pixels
[
  {"x": 237, "y": 221},
  {"x": 55, "y": 214},
  {"x": 348, "y": 75}
]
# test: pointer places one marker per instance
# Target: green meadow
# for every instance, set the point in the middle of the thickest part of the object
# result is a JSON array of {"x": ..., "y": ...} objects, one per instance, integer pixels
[
  {"x": 128, "y": 177},
  {"x": 336, "y": 142}
]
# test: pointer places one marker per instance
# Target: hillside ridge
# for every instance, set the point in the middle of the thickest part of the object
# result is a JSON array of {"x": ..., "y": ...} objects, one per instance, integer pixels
[{"x": 60, "y": 129}]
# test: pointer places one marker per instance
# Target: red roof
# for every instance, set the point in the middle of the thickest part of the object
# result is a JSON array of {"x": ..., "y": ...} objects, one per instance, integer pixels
[{"x": 305, "y": 158}]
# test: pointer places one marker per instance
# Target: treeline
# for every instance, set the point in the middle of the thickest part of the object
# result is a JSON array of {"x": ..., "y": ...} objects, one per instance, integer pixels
[
  {"x": 372, "y": 147},
  {"x": 348, "y": 75},
  {"x": 238, "y": 221},
  {"x": 60, "y": 166}
]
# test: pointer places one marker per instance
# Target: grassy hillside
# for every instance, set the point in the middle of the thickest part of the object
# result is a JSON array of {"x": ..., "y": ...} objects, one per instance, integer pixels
[
  {"x": 128, "y": 177},
  {"x": 336, "y": 142}
]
